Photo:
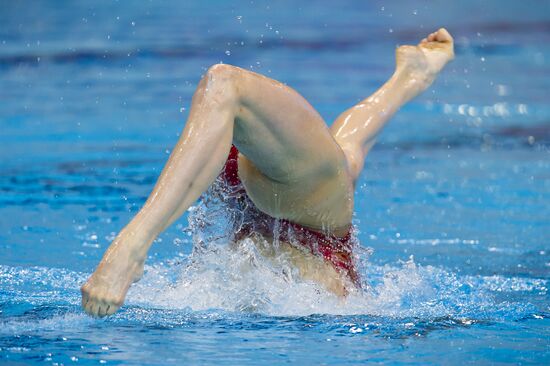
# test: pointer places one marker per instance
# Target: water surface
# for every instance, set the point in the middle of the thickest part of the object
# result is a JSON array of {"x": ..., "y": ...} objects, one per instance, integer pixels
[{"x": 452, "y": 209}]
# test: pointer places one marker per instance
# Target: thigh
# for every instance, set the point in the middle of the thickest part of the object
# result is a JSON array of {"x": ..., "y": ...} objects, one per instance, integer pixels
[{"x": 280, "y": 133}]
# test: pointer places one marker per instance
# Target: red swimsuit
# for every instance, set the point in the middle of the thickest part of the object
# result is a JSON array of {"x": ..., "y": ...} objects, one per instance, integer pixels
[{"x": 336, "y": 250}]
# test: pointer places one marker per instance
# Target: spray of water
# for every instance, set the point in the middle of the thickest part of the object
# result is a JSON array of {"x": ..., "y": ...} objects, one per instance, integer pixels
[
  {"x": 218, "y": 275},
  {"x": 221, "y": 278}
]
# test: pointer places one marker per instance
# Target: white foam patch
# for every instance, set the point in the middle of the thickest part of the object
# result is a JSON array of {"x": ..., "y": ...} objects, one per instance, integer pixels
[
  {"x": 242, "y": 280},
  {"x": 219, "y": 276},
  {"x": 14, "y": 278},
  {"x": 231, "y": 280}
]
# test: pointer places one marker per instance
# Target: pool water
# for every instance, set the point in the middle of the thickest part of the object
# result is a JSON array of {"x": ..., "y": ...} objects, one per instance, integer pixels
[{"x": 452, "y": 209}]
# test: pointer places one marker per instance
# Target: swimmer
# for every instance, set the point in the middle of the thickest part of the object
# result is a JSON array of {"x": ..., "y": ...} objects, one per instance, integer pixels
[{"x": 262, "y": 136}]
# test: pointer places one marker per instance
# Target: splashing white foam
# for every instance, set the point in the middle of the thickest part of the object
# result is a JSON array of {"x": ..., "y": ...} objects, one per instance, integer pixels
[
  {"x": 238, "y": 278},
  {"x": 243, "y": 280}
]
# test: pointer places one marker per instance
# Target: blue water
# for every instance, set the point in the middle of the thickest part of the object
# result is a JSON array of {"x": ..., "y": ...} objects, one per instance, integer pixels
[{"x": 452, "y": 209}]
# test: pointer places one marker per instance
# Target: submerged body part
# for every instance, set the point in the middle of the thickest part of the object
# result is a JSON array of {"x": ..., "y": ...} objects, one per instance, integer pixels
[
  {"x": 298, "y": 173},
  {"x": 312, "y": 252}
]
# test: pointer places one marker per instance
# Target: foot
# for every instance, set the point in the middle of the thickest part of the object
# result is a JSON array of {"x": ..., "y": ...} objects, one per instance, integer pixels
[
  {"x": 104, "y": 292},
  {"x": 422, "y": 63}
]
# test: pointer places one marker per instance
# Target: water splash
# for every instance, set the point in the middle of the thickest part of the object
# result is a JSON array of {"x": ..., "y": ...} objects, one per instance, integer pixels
[
  {"x": 220, "y": 278},
  {"x": 245, "y": 281},
  {"x": 237, "y": 278}
]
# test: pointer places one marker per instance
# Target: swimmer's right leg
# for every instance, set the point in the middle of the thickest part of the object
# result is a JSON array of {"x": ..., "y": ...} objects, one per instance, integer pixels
[{"x": 285, "y": 142}]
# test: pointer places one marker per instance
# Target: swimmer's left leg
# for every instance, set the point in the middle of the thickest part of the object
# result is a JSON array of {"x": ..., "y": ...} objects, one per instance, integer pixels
[{"x": 356, "y": 129}]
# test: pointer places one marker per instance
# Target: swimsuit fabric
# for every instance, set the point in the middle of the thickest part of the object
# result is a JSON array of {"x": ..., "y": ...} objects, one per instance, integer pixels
[{"x": 336, "y": 250}]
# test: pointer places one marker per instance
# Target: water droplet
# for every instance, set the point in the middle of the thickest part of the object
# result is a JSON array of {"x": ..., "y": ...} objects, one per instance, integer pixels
[
  {"x": 502, "y": 90},
  {"x": 133, "y": 24},
  {"x": 228, "y": 53},
  {"x": 178, "y": 241}
]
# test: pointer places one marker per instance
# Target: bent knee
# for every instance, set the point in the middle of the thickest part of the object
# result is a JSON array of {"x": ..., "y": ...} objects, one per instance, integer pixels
[
  {"x": 222, "y": 79},
  {"x": 222, "y": 72},
  {"x": 220, "y": 83}
]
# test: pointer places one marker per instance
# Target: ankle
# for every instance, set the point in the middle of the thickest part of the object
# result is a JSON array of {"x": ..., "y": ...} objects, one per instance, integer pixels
[{"x": 131, "y": 247}]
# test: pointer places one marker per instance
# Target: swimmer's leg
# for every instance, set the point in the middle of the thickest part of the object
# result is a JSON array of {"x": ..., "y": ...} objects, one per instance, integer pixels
[
  {"x": 417, "y": 66},
  {"x": 277, "y": 130}
]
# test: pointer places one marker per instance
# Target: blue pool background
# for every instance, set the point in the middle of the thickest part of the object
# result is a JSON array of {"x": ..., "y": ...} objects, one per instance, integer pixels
[{"x": 454, "y": 200}]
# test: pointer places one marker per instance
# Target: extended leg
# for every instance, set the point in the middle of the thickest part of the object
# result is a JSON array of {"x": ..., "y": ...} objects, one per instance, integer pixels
[
  {"x": 283, "y": 138},
  {"x": 417, "y": 66}
]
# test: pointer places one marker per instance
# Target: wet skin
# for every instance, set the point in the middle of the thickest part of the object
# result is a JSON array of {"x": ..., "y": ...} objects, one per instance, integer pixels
[{"x": 291, "y": 164}]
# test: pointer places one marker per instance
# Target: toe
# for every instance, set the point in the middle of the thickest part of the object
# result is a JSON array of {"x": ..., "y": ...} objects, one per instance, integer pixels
[
  {"x": 88, "y": 309},
  {"x": 111, "y": 309},
  {"x": 100, "y": 308},
  {"x": 103, "y": 310},
  {"x": 443, "y": 35},
  {"x": 85, "y": 300},
  {"x": 93, "y": 309}
]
